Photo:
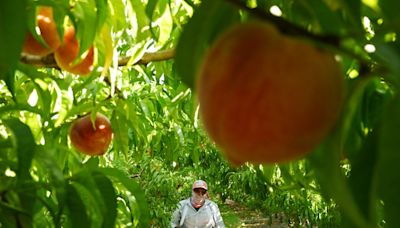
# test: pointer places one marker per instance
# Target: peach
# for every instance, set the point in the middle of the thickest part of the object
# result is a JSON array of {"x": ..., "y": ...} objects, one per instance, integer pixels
[
  {"x": 266, "y": 97},
  {"x": 91, "y": 138},
  {"x": 48, "y": 31},
  {"x": 68, "y": 52}
]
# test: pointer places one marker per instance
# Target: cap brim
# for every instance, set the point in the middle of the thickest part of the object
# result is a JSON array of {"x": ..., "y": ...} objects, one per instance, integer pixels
[{"x": 202, "y": 187}]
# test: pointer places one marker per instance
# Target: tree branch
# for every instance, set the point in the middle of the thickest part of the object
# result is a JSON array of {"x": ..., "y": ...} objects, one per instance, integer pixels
[
  {"x": 49, "y": 61},
  {"x": 285, "y": 26},
  {"x": 150, "y": 57},
  {"x": 46, "y": 61}
]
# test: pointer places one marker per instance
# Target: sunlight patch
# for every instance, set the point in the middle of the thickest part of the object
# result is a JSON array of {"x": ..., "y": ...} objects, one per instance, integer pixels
[{"x": 275, "y": 10}]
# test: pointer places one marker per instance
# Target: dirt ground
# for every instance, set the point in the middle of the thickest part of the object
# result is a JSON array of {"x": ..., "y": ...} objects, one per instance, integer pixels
[{"x": 236, "y": 215}]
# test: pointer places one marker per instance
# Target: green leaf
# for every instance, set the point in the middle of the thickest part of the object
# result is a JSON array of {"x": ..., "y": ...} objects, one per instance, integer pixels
[
  {"x": 76, "y": 208},
  {"x": 328, "y": 20},
  {"x": 9, "y": 80},
  {"x": 25, "y": 144},
  {"x": 120, "y": 129},
  {"x": 60, "y": 10},
  {"x": 139, "y": 12},
  {"x": 91, "y": 196},
  {"x": 92, "y": 163},
  {"x": 389, "y": 56},
  {"x": 19, "y": 107},
  {"x": 25, "y": 149},
  {"x": 137, "y": 122},
  {"x": 12, "y": 33},
  {"x": 268, "y": 171},
  {"x": 84, "y": 16},
  {"x": 354, "y": 12},
  {"x": 209, "y": 19},
  {"x": 66, "y": 105},
  {"x": 166, "y": 24},
  {"x": 108, "y": 195},
  {"x": 150, "y": 7},
  {"x": 135, "y": 189},
  {"x": 118, "y": 18},
  {"x": 102, "y": 13},
  {"x": 390, "y": 11},
  {"x": 45, "y": 159},
  {"x": 7, "y": 218},
  {"x": 11, "y": 208},
  {"x": 325, "y": 160},
  {"x": 375, "y": 98},
  {"x": 388, "y": 163},
  {"x": 9, "y": 214},
  {"x": 44, "y": 96},
  {"x": 159, "y": 14},
  {"x": 362, "y": 182}
]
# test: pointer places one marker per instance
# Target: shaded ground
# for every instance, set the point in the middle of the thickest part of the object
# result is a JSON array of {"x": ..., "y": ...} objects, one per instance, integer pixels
[{"x": 236, "y": 215}]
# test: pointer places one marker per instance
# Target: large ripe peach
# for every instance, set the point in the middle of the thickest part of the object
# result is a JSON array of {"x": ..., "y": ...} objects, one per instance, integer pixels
[
  {"x": 266, "y": 97},
  {"x": 91, "y": 139},
  {"x": 68, "y": 52},
  {"x": 48, "y": 31}
]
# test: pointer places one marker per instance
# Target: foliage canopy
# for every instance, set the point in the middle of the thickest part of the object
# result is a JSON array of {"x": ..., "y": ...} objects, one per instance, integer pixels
[{"x": 146, "y": 59}]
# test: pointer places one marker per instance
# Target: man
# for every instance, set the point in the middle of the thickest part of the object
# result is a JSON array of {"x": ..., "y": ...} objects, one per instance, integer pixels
[{"x": 197, "y": 211}]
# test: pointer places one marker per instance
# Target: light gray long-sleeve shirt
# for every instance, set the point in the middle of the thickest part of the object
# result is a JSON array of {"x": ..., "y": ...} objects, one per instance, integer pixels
[{"x": 207, "y": 216}]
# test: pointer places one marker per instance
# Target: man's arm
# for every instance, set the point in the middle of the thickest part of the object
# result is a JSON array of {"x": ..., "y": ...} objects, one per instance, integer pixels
[
  {"x": 176, "y": 216},
  {"x": 219, "y": 222}
]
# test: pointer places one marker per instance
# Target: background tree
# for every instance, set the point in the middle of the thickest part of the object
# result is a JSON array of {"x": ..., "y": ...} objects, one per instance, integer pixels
[{"x": 121, "y": 63}]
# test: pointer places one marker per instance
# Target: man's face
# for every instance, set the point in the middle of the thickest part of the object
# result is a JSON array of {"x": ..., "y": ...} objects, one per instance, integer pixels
[{"x": 200, "y": 191}]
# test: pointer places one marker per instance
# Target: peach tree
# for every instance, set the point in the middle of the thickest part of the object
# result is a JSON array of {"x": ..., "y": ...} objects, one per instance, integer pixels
[{"x": 137, "y": 63}]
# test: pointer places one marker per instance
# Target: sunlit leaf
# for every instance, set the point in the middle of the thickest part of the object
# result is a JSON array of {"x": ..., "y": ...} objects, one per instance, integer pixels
[
  {"x": 85, "y": 19},
  {"x": 21, "y": 107},
  {"x": 371, "y": 3},
  {"x": 141, "y": 19},
  {"x": 120, "y": 129},
  {"x": 43, "y": 94},
  {"x": 107, "y": 48},
  {"x": 102, "y": 13},
  {"x": 139, "y": 29},
  {"x": 150, "y": 7},
  {"x": 117, "y": 14}
]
